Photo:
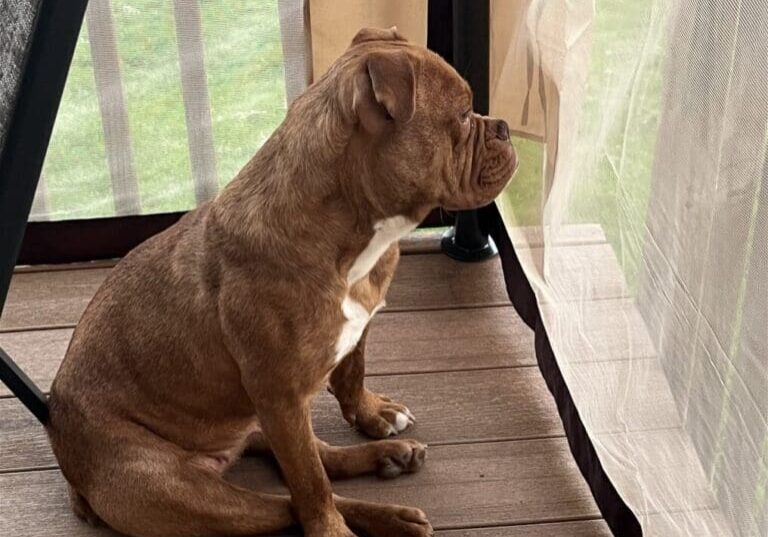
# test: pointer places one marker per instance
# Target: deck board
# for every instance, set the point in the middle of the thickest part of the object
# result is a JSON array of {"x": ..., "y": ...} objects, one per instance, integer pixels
[
  {"x": 609, "y": 330},
  {"x": 582, "y": 528},
  {"x": 452, "y": 407},
  {"x": 593, "y": 272},
  {"x": 398, "y": 342},
  {"x": 500, "y": 483},
  {"x": 58, "y": 298}
]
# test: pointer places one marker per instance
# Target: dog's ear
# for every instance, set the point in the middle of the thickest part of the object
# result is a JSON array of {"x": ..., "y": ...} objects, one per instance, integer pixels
[
  {"x": 377, "y": 34},
  {"x": 385, "y": 90}
]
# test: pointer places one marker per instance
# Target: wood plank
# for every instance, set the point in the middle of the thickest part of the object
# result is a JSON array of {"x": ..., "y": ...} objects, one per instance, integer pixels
[
  {"x": 57, "y": 299},
  {"x": 461, "y": 406},
  {"x": 23, "y": 442},
  {"x": 49, "y": 298},
  {"x": 576, "y": 273},
  {"x": 422, "y": 241},
  {"x": 628, "y": 395},
  {"x": 475, "y": 484},
  {"x": 572, "y": 234},
  {"x": 451, "y": 407},
  {"x": 607, "y": 342},
  {"x": 583, "y": 528},
  {"x": 38, "y": 353},
  {"x": 502, "y": 483},
  {"x": 650, "y": 467},
  {"x": 438, "y": 282},
  {"x": 398, "y": 342},
  {"x": 463, "y": 339},
  {"x": 600, "y": 330}
]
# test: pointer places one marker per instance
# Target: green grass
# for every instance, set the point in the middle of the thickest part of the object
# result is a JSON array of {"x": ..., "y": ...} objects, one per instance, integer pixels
[
  {"x": 245, "y": 79},
  {"x": 616, "y": 137}
]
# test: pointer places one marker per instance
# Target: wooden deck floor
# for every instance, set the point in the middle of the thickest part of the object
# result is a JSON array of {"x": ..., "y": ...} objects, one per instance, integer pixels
[{"x": 448, "y": 345}]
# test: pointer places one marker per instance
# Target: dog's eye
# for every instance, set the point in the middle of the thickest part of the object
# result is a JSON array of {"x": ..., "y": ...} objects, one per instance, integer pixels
[{"x": 465, "y": 117}]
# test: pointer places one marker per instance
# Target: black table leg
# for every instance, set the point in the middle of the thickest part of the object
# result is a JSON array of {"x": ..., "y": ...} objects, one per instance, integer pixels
[{"x": 459, "y": 31}]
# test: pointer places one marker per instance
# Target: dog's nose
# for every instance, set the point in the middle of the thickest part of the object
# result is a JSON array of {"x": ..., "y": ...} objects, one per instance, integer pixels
[{"x": 502, "y": 130}]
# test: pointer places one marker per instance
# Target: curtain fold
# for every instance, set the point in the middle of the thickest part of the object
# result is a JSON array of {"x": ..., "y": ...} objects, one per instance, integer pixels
[{"x": 335, "y": 23}]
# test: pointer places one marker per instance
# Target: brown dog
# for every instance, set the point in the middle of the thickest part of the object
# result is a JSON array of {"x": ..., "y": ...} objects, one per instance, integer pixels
[{"x": 213, "y": 336}]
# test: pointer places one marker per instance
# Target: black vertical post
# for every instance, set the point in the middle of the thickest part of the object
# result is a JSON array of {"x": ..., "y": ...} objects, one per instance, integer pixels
[
  {"x": 51, "y": 48},
  {"x": 469, "y": 53}
]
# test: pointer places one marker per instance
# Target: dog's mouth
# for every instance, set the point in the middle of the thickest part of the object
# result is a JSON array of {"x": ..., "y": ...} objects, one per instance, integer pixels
[
  {"x": 499, "y": 165},
  {"x": 495, "y": 159}
]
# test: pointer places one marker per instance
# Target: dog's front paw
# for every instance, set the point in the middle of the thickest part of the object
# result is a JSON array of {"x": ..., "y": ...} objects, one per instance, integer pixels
[
  {"x": 397, "y": 457},
  {"x": 379, "y": 417}
]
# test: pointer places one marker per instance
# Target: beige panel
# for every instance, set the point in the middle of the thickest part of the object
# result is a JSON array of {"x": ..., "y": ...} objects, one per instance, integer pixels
[
  {"x": 540, "y": 53},
  {"x": 334, "y": 23},
  {"x": 516, "y": 91}
]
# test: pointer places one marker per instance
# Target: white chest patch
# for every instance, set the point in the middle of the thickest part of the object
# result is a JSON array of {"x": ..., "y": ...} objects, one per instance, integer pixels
[{"x": 357, "y": 316}]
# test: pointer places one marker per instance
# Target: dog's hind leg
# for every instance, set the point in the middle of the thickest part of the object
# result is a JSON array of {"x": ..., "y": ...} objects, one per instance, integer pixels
[
  {"x": 386, "y": 458},
  {"x": 82, "y": 508},
  {"x": 165, "y": 496},
  {"x": 151, "y": 488}
]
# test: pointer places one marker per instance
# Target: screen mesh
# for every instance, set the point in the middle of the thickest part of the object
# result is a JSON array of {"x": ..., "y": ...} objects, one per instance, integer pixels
[
  {"x": 646, "y": 175},
  {"x": 164, "y": 102}
]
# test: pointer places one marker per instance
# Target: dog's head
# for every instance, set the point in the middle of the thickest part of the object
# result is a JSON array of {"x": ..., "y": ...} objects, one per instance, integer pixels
[{"x": 416, "y": 139}]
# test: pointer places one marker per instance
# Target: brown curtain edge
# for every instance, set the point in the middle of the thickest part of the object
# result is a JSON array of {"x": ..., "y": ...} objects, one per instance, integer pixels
[{"x": 617, "y": 514}]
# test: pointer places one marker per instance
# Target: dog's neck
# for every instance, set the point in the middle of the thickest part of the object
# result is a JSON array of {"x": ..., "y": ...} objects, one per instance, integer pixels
[{"x": 301, "y": 187}]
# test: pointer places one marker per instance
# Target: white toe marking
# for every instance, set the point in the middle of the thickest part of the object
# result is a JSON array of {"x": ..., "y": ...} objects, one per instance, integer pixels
[{"x": 401, "y": 421}]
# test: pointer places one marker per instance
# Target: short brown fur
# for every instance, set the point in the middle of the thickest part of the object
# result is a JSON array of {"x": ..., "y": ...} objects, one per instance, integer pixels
[{"x": 212, "y": 337}]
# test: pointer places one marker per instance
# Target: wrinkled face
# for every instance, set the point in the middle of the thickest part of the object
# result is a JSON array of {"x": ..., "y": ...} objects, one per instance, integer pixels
[
  {"x": 416, "y": 112},
  {"x": 482, "y": 159}
]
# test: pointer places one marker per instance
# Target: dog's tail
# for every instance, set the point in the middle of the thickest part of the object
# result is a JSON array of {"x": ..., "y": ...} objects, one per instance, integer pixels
[{"x": 22, "y": 387}]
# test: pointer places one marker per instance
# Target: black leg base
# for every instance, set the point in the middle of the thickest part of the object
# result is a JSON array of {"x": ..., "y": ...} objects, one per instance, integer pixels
[{"x": 456, "y": 251}]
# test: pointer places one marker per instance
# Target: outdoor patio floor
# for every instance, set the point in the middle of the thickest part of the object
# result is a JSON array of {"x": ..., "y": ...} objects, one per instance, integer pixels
[{"x": 449, "y": 345}]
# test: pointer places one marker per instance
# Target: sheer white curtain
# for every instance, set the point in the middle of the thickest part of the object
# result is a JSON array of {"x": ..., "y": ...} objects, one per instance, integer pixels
[{"x": 646, "y": 172}]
